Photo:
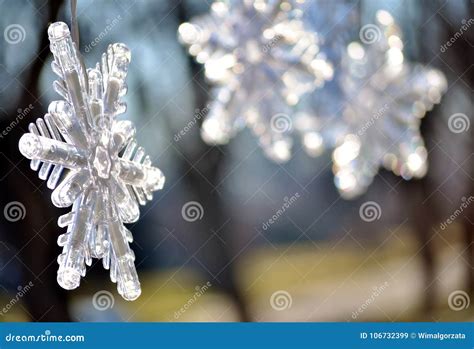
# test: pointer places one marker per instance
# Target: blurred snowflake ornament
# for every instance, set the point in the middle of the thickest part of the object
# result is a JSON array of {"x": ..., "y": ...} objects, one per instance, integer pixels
[
  {"x": 386, "y": 98},
  {"x": 108, "y": 175},
  {"x": 261, "y": 60}
]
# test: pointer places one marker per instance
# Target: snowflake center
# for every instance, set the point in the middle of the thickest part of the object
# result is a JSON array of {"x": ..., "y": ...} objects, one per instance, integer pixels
[
  {"x": 102, "y": 162},
  {"x": 253, "y": 51}
]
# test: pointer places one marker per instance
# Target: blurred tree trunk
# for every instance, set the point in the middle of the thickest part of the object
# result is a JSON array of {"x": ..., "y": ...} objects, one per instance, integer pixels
[
  {"x": 218, "y": 254},
  {"x": 35, "y": 240}
]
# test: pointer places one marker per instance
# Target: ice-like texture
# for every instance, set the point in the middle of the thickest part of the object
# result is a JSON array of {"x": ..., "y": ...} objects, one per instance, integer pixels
[
  {"x": 385, "y": 99},
  {"x": 261, "y": 60},
  {"x": 108, "y": 175}
]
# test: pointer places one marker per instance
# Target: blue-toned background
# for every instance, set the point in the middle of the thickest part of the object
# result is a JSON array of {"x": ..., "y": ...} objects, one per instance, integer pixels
[{"x": 319, "y": 262}]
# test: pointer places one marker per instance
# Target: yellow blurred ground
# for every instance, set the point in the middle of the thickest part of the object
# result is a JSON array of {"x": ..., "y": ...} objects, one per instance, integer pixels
[{"x": 324, "y": 282}]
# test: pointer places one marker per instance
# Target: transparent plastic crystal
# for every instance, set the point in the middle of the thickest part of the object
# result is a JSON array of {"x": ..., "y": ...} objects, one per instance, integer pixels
[
  {"x": 108, "y": 175},
  {"x": 386, "y": 99},
  {"x": 261, "y": 60}
]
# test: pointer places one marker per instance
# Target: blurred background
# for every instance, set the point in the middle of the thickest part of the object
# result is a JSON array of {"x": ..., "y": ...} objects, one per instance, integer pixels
[{"x": 271, "y": 242}]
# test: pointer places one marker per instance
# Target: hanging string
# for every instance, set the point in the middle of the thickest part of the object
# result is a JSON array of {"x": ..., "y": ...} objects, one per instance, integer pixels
[
  {"x": 74, "y": 25},
  {"x": 75, "y": 39}
]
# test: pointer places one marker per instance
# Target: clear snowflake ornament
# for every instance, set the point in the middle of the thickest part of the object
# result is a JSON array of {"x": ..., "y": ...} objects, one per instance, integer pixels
[
  {"x": 108, "y": 175},
  {"x": 386, "y": 99},
  {"x": 261, "y": 60}
]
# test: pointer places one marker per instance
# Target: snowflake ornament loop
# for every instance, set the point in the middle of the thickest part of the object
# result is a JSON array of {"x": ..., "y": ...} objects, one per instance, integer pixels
[
  {"x": 386, "y": 99},
  {"x": 108, "y": 177},
  {"x": 261, "y": 60}
]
